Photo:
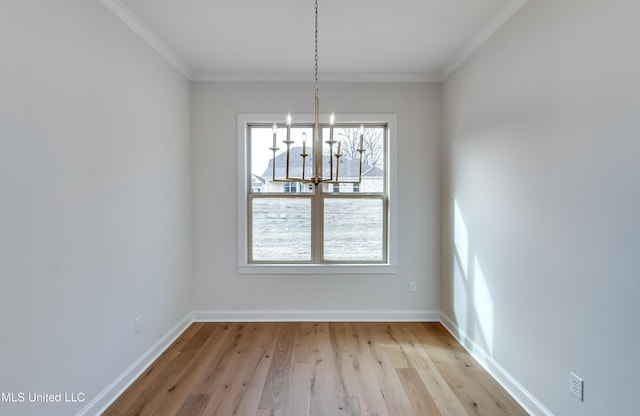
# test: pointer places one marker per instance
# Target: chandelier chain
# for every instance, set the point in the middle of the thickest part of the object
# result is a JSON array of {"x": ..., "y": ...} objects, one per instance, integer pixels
[
  {"x": 317, "y": 155},
  {"x": 316, "y": 43}
]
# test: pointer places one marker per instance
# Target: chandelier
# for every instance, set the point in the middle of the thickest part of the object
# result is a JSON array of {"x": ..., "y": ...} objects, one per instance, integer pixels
[{"x": 317, "y": 160}]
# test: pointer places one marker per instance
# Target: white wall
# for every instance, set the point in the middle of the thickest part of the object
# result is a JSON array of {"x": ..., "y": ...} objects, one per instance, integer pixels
[
  {"x": 542, "y": 158},
  {"x": 219, "y": 287},
  {"x": 94, "y": 200}
]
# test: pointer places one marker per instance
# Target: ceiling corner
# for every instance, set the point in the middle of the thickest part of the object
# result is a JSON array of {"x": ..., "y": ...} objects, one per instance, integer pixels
[
  {"x": 500, "y": 19},
  {"x": 139, "y": 28}
]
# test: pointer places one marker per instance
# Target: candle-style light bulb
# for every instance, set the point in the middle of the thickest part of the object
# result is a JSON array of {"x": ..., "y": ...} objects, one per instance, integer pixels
[
  {"x": 332, "y": 120},
  {"x": 288, "y": 128},
  {"x": 304, "y": 142},
  {"x": 339, "y": 145},
  {"x": 361, "y": 135},
  {"x": 275, "y": 133}
]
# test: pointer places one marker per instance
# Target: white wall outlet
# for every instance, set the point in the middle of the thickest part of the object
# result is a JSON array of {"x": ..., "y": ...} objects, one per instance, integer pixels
[
  {"x": 137, "y": 325},
  {"x": 576, "y": 385},
  {"x": 412, "y": 286}
]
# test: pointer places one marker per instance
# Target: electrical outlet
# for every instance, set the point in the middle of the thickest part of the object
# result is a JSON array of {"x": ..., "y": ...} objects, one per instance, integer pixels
[
  {"x": 412, "y": 286},
  {"x": 137, "y": 325},
  {"x": 576, "y": 384}
]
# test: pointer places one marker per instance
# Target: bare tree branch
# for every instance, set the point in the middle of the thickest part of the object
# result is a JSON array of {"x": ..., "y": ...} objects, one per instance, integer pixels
[{"x": 372, "y": 143}]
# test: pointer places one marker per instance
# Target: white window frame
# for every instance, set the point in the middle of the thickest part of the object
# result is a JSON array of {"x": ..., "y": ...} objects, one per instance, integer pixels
[{"x": 244, "y": 183}]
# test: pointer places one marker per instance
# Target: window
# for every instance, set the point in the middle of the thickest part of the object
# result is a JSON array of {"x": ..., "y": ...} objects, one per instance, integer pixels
[{"x": 294, "y": 227}]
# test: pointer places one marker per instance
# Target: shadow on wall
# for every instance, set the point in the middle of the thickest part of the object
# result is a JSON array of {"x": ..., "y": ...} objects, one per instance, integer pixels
[{"x": 472, "y": 301}]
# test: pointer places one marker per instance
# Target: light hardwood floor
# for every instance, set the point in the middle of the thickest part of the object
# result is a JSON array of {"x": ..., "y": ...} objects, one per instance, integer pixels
[{"x": 319, "y": 369}]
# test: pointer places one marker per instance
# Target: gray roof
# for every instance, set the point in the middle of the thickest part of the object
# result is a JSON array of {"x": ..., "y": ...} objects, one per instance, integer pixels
[
  {"x": 349, "y": 168},
  {"x": 257, "y": 178},
  {"x": 372, "y": 172}
]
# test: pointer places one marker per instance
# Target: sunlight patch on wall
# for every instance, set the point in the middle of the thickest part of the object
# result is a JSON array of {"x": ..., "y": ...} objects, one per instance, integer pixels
[
  {"x": 483, "y": 305},
  {"x": 461, "y": 240},
  {"x": 473, "y": 305},
  {"x": 460, "y": 295}
]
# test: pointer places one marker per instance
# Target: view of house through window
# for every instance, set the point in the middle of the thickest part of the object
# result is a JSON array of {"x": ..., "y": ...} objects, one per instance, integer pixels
[{"x": 293, "y": 222}]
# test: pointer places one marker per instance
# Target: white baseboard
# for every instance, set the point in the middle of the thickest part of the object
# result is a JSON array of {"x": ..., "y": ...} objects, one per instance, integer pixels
[
  {"x": 420, "y": 315},
  {"x": 103, "y": 400},
  {"x": 506, "y": 380}
]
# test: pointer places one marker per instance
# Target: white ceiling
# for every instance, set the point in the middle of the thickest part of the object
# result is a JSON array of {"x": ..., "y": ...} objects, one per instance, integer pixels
[{"x": 418, "y": 40}]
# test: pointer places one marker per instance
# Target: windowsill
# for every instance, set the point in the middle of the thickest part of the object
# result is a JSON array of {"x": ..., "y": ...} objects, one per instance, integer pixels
[{"x": 317, "y": 269}]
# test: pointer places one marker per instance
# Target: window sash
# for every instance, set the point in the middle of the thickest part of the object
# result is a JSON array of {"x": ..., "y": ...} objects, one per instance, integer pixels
[
  {"x": 317, "y": 226},
  {"x": 384, "y": 226}
]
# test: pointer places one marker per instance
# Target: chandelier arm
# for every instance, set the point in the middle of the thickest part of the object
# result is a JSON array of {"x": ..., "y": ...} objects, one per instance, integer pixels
[
  {"x": 287, "y": 167},
  {"x": 273, "y": 172}
]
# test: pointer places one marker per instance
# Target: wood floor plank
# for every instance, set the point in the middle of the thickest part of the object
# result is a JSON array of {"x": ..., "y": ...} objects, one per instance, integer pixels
[
  {"x": 325, "y": 389},
  {"x": 302, "y": 352},
  {"x": 174, "y": 382},
  {"x": 477, "y": 391},
  {"x": 207, "y": 339},
  {"x": 194, "y": 405},
  {"x": 147, "y": 403},
  {"x": 276, "y": 394},
  {"x": 142, "y": 387},
  {"x": 222, "y": 360},
  {"x": 371, "y": 398},
  {"x": 244, "y": 385},
  {"x": 355, "y": 400},
  {"x": 315, "y": 369},
  {"x": 199, "y": 338},
  {"x": 390, "y": 385},
  {"x": 301, "y": 389},
  {"x": 250, "y": 399},
  {"x": 441, "y": 392},
  {"x": 147, "y": 380},
  {"x": 421, "y": 401}
]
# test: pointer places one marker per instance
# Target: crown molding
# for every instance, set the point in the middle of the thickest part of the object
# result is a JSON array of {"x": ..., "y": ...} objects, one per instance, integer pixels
[
  {"x": 409, "y": 77},
  {"x": 134, "y": 23},
  {"x": 507, "y": 12}
]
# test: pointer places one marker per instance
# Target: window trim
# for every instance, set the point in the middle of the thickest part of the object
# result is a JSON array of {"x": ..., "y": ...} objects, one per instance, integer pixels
[{"x": 244, "y": 184}]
